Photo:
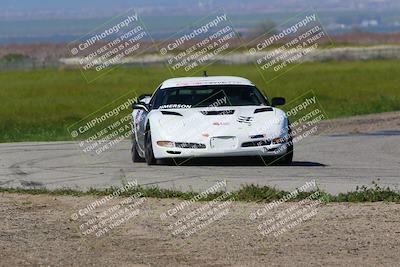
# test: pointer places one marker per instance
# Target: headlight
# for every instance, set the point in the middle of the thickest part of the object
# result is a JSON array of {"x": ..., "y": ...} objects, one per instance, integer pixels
[
  {"x": 279, "y": 140},
  {"x": 165, "y": 143}
]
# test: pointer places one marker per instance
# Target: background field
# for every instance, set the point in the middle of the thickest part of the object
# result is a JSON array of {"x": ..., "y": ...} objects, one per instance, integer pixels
[{"x": 39, "y": 105}]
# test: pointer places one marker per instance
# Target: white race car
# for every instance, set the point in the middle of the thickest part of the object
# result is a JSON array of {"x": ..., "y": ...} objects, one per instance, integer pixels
[{"x": 219, "y": 116}]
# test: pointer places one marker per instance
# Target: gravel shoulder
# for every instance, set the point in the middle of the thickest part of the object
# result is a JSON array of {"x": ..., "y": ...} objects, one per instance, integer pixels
[
  {"x": 38, "y": 230},
  {"x": 387, "y": 121}
]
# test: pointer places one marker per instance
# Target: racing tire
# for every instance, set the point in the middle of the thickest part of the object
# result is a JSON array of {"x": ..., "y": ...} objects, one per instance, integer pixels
[
  {"x": 148, "y": 149},
  {"x": 287, "y": 159},
  {"x": 134, "y": 153}
]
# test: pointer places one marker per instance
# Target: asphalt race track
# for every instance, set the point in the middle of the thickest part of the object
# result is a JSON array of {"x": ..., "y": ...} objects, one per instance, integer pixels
[{"x": 338, "y": 163}]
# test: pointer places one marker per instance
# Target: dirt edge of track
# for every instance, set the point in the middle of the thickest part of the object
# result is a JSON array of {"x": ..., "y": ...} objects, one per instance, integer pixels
[{"x": 38, "y": 230}]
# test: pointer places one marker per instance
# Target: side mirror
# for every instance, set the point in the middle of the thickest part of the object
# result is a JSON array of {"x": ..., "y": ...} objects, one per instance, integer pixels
[
  {"x": 278, "y": 101},
  {"x": 140, "y": 105}
]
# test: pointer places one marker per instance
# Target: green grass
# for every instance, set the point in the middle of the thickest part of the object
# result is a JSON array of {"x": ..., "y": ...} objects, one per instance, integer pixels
[
  {"x": 249, "y": 193},
  {"x": 39, "y": 105}
]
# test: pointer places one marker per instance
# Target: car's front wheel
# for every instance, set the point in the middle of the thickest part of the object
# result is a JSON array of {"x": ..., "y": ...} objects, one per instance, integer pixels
[
  {"x": 134, "y": 151},
  {"x": 287, "y": 159},
  {"x": 149, "y": 155}
]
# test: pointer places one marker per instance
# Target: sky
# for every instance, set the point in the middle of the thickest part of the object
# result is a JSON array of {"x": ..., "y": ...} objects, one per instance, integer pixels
[{"x": 65, "y": 5}]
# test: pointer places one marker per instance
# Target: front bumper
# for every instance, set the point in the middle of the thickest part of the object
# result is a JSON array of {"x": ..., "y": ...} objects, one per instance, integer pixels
[{"x": 259, "y": 150}]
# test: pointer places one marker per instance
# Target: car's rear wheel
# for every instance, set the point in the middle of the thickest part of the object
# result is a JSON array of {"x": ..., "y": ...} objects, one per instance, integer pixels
[
  {"x": 149, "y": 155},
  {"x": 134, "y": 151}
]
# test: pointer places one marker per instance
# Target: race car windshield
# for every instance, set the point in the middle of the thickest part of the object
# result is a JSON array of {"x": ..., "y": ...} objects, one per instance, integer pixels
[{"x": 209, "y": 96}]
